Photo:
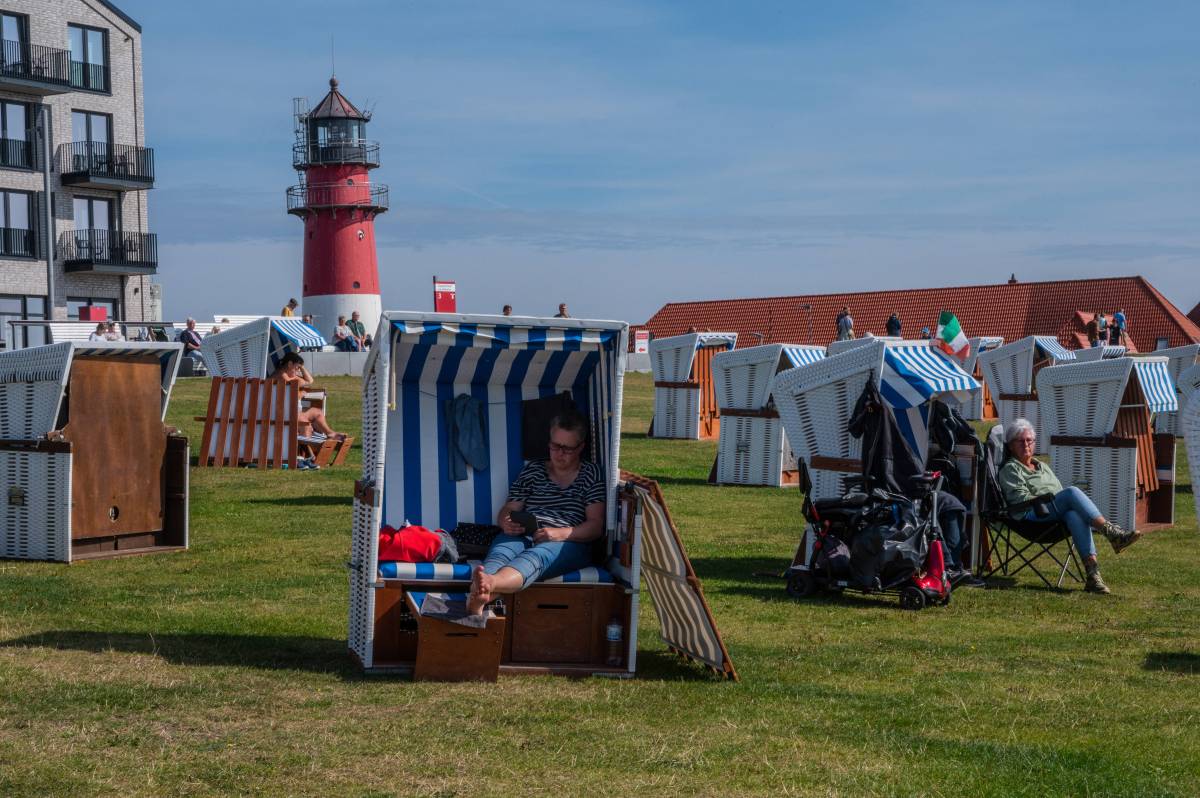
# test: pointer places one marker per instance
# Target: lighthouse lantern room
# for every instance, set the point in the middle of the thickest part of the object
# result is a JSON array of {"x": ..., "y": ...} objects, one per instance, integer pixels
[{"x": 338, "y": 204}]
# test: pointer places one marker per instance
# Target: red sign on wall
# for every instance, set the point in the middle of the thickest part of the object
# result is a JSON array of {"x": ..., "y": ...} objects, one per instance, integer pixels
[
  {"x": 444, "y": 296},
  {"x": 641, "y": 341}
]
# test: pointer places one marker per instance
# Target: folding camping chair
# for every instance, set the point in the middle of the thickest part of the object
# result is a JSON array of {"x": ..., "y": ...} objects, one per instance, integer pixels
[{"x": 1014, "y": 542}]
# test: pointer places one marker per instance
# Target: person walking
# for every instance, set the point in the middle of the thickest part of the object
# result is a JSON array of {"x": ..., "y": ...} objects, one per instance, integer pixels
[
  {"x": 845, "y": 325},
  {"x": 893, "y": 325}
]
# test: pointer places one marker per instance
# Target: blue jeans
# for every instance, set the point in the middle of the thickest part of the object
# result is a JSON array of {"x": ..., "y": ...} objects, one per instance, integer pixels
[
  {"x": 1073, "y": 507},
  {"x": 536, "y": 560},
  {"x": 951, "y": 524}
]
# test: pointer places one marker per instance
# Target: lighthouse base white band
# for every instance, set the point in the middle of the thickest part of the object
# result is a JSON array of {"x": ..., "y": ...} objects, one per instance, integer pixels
[{"x": 326, "y": 309}]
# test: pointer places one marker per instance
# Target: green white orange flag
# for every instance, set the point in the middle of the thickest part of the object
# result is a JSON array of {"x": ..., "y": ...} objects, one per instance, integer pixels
[{"x": 950, "y": 338}]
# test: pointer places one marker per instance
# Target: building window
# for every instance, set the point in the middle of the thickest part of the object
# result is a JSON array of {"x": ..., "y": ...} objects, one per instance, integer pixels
[
  {"x": 16, "y": 232},
  {"x": 1162, "y": 343},
  {"x": 92, "y": 134},
  {"x": 93, "y": 229},
  {"x": 15, "y": 148},
  {"x": 74, "y": 303},
  {"x": 89, "y": 57},
  {"x": 21, "y": 308},
  {"x": 14, "y": 29}
]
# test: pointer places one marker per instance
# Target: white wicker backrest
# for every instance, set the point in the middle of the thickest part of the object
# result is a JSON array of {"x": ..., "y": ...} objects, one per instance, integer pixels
[
  {"x": 1094, "y": 353},
  {"x": 837, "y": 347},
  {"x": 980, "y": 344},
  {"x": 1082, "y": 398},
  {"x": 61, "y": 331},
  {"x": 671, "y": 358},
  {"x": 816, "y": 401},
  {"x": 742, "y": 377},
  {"x": 1179, "y": 360},
  {"x": 1188, "y": 383},
  {"x": 1009, "y": 368},
  {"x": 31, "y": 389},
  {"x": 240, "y": 351},
  {"x": 237, "y": 321},
  {"x": 1189, "y": 422}
]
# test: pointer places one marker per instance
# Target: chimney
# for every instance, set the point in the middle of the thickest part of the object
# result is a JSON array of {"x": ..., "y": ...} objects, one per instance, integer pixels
[{"x": 1012, "y": 280}]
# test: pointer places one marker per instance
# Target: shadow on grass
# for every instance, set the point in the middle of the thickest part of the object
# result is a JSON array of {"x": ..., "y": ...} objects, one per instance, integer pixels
[
  {"x": 1178, "y": 661},
  {"x": 634, "y": 436},
  {"x": 310, "y": 501},
  {"x": 1184, "y": 489},
  {"x": 665, "y": 480},
  {"x": 269, "y": 652}
]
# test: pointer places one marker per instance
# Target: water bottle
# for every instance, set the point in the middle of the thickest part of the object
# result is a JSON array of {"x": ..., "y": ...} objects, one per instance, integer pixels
[{"x": 613, "y": 634}]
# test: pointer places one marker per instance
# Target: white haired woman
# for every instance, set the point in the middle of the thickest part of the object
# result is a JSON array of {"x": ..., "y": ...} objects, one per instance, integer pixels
[{"x": 1023, "y": 478}]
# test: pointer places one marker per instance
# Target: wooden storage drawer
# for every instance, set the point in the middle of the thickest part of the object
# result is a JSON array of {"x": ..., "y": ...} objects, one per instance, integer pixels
[
  {"x": 555, "y": 624},
  {"x": 451, "y": 652}
]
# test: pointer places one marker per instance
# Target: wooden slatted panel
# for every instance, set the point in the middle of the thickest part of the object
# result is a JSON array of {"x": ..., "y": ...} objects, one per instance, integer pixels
[
  {"x": 702, "y": 374},
  {"x": 1133, "y": 421},
  {"x": 226, "y": 443},
  {"x": 206, "y": 441}
]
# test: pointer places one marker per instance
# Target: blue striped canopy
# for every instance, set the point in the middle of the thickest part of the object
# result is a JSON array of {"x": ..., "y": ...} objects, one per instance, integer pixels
[
  {"x": 1157, "y": 387},
  {"x": 500, "y": 366},
  {"x": 1052, "y": 348},
  {"x": 912, "y": 375},
  {"x": 298, "y": 333},
  {"x": 802, "y": 356},
  {"x": 1113, "y": 350},
  {"x": 728, "y": 340}
]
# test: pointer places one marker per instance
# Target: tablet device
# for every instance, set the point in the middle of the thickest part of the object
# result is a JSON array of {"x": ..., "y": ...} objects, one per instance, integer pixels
[{"x": 526, "y": 520}]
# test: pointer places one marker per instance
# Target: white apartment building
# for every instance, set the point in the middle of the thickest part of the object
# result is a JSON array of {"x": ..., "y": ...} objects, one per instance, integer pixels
[{"x": 74, "y": 168}]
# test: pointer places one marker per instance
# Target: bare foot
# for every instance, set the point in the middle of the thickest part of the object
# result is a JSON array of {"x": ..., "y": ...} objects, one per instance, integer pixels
[{"x": 481, "y": 591}]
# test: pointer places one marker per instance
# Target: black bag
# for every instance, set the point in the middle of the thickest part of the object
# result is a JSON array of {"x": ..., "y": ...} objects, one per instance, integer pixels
[
  {"x": 834, "y": 558},
  {"x": 474, "y": 539}
]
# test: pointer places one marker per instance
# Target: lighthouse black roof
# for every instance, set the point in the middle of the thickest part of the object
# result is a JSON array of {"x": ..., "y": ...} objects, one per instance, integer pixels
[{"x": 336, "y": 106}]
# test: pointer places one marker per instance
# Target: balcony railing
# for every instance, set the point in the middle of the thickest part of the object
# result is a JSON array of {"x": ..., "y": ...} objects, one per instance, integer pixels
[
  {"x": 17, "y": 154},
  {"x": 35, "y": 65},
  {"x": 110, "y": 251},
  {"x": 17, "y": 242},
  {"x": 301, "y": 199},
  {"x": 93, "y": 77},
  {"x": 106, "y": 165},
  {"x": 338, "y": 152}
]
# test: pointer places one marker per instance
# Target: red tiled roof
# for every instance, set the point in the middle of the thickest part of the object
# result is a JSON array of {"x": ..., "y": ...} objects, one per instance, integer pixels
[
  {"x": 1012, "y": 310},
  {"x": 334, "y": 105}
]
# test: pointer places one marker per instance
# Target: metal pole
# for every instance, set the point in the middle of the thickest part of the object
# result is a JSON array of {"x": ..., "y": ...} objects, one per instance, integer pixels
[{"x": 47, "y": 207}]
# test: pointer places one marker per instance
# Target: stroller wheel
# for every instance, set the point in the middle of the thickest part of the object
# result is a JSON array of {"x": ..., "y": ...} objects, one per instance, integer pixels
[
  {"x": 800, "y": 584},
  {"x": 912, "y": 598}
]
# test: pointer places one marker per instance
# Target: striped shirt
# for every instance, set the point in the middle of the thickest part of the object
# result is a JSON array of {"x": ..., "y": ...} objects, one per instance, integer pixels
[{"x": 552, "y": 505}]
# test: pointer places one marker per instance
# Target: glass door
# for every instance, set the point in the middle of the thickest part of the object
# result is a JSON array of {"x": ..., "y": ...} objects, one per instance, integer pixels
[
  {"x": 93, "y": 228},
  {"x": 91, "y": 134}
]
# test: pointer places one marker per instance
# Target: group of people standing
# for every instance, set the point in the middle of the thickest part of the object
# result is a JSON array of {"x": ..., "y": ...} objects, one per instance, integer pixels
[
  {"x": 507, "y": 310},
  {"x": 1101, "y": 330},
  {"x": 845, "y": 325}
]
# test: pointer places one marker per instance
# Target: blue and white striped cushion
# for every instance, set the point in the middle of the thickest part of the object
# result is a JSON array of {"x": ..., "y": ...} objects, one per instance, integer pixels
[{"x": 461, "y": 572}]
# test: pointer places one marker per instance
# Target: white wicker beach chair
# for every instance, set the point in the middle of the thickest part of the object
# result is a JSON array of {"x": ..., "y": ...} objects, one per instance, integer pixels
[
  {"x": 1189, "y": 426},
  {"x": 67, "y": 426},
  {"x": 753, "y": 449},
  {"x": 255, "y": 348},
  {"x": 972, "y": 408},
  {"x": 1009, "y": 372},
  {"x": 1098, "y": 418},
  {"x": 1104, "y": 352},
  {"x": 1180, "y": 360},
  {"x": 685, "y": 404},
  {"x": 815, "y": 403}
]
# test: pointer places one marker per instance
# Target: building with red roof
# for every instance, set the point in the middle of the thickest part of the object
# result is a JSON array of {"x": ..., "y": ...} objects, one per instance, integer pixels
[
  {"x": 1194, "y": 315},
  {"x": 1013, "y": 310}
]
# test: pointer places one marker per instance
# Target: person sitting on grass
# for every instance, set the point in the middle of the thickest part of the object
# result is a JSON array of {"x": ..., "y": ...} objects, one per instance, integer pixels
[
  {"x": 1023, "y": 477},
  {"x": 566, "y": 496},
  {"x": 291, "y": 369}
]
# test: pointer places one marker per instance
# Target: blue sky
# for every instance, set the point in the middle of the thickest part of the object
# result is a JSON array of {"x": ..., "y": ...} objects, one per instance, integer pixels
[{"x": 618, "y": 155}]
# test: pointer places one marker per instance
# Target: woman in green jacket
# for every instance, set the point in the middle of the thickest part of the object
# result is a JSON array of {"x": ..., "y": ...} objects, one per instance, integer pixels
[{"x": 1023, "y": 477}]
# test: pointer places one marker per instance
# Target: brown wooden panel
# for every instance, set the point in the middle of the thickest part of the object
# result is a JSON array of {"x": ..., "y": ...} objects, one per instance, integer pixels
[
  {"x": 1133, "y": 421},
  {"x": 766, "y": 412},
  {"x": 175, "y": 512},
  {"x": 836, "y": 463},
  {"x": 206, "y": 439},
  {"x": 552, "y": 624},
  {"x": 119, "y": 444},
  {"x": 1019, "y": 397},
  {"x": 702, "y": 375},
  {"x": 1104, "y": 442},
  {"x": 684, "y": 385},
  {"x": 451, "y": 652}
]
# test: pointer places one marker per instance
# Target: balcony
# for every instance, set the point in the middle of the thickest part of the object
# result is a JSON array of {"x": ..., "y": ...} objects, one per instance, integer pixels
[
  {"x": 362, "y": 196},
  {"x": 108, "y": 252},
  {"x": 18, "y": 154},
  {"x": 17, "y": 242},
  {"x": 336, "y": 153},
  {"x": 95, "y": 164},
  {"x": 34, "y": 69},
  {"x": 89, "y": 77}
]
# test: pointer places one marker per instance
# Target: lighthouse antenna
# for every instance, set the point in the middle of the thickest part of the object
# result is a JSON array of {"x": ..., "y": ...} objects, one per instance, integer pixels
[{"x": 332, "y": 59}]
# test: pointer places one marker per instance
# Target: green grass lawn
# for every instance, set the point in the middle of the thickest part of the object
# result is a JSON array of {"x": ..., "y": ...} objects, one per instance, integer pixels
[{"x": 223, "y": 670}]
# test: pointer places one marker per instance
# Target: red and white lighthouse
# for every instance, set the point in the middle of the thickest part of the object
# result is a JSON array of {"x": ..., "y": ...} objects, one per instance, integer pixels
[{"x": 338, "y": 204}]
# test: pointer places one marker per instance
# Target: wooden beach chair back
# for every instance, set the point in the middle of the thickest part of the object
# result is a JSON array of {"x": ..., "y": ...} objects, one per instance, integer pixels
[{"x": 250, "y": 421}]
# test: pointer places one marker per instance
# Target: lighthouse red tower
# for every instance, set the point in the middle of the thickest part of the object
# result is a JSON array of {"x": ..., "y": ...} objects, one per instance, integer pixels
[{"x": 338, "y": 204}]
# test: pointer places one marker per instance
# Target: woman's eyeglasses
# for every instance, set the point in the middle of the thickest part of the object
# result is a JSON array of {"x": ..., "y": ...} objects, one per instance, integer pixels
[{"x": 558, "y": 447}]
